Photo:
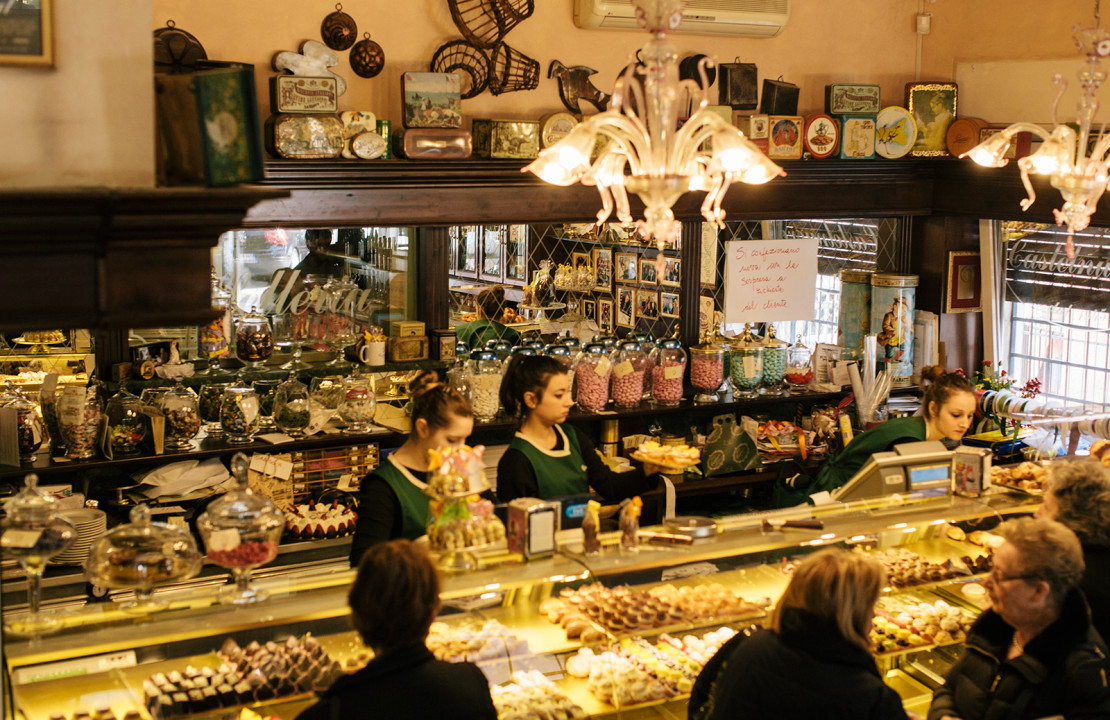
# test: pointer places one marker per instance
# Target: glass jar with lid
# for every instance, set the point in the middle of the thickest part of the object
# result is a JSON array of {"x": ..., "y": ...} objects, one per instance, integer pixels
[
  {"x": 292, "y": 413},
  {"x": 239, "y": 412},
  {"x": 126, "y": 426},
  {"x": 799, "y": 366},
  {"x": 774, "y": 363},
  {"x": 327, "y": 392},
  {"x": 610, "y": 342},
  {"x": 28, "y": 425},
  {"x": 502, "y": 348},
  {"x": 33, "y": 532},
  {"x": 254, "y": 339},
  {"x": 485, "y": 384},
  {"x": 647, "y": 347},
  {"x": 342, "y": 329},
  {"x": 707, "y": 370},
  {"x": 214, "y": 338},
  {"x": 79, "y": 417},
  {"x": 628, "y": 375},
  {"x": 458, "y": 375},
  {"x": 140, "y": 555},
  {"x": 668, "y": 368},
  {"x": 357, "y": 408},
  {"x": 265, "y": 388},
  {"x": 571, "y": 342},
  {"x": 746, "y": 363},
  {"x": 241, "y": 531},
  {"x": 208, "y": 404},
  {"x": 593, "y": 367},
  {"x": 181, "y": 411}
]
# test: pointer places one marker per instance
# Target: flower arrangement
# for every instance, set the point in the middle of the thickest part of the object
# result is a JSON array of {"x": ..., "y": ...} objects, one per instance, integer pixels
[{"x": 991, "y": 376}]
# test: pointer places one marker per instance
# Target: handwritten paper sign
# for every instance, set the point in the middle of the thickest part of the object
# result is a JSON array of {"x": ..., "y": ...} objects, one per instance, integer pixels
[{"x": 770, "y": 280}]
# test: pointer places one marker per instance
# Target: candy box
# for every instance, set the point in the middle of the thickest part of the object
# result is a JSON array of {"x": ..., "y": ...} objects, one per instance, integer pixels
[
  {"x": 509, "y": 139},
  {"x": 407, "y": 349}
]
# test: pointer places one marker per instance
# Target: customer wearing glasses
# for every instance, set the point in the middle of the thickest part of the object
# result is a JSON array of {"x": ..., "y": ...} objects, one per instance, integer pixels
[
  {"x": 1077, "y": 494},
  {"x": 1034, "y": 653}
]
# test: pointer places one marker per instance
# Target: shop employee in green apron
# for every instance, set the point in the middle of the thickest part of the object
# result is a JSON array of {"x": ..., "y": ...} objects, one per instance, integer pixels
[
  {"x": 491, "y": 304},
  {"x": 391, "y": 500},
  {"x": 547, "y": 459},
  {"x": 948, "y": 407}
]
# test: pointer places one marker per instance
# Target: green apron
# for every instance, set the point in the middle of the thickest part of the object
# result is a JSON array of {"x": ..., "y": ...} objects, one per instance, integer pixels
[
  {"x": 558, "y": 472},
  {"x": 410, "y": 493},
  {"x": 880, "y": 438},
  {"x": 476, "y": 333}
]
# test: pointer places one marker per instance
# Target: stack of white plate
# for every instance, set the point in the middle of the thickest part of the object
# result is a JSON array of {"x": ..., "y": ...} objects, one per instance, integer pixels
[{"x": 90, "y": 524}]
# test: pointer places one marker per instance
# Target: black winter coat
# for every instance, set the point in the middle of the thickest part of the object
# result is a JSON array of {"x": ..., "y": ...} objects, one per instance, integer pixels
[
  {"x": 806, "y": 671},
  {"x": 1096, "y": 587},
  {"x": 1062, "y": 672},
  {"x": 407, "y": 684}
]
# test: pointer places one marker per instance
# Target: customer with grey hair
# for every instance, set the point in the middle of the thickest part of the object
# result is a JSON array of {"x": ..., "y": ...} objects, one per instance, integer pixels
[
  {"x": 1034, "y": 653},
  {"x": 1078, "y": 495}
]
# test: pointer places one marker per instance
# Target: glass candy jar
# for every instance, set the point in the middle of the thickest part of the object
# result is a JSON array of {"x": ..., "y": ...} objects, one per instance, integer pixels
[
  {"x": 126, "y": 427},
  {"x": 28, "y": 425},
  {"x": 747, "y": 363},
  {"x": 265, "y": 389},
  {"x": 502, "y": 349},
  {"x": 799, "y": 366},
  {"x": 139, "y": 555},
  {"x": 668, "y": 367},
  {"x": 254, "y": 339},
  {"x": 543, "y": 285},
  {"x": 208, "y": 404},
  {"x": 213, "y": 338},
  {"x": 34, "y": 532},
  {"x": 327, "y": 392},
  {"x": 458, "y": 375},
  {"x": 592, "y": 369},
  {"x": 241, "y": 532},
  {"x": 707, "y": 370},
  {"x": 629, "y": 371},
  {"x": 357, "y": 408},
  {"x": 79, "y": 417},
  {"x": 181, "y": 409},
  {"x": 485, "y": 384},
  {"x": 292, "y": 413},
  {"x": 239, "y": 412},
  {"x": 774, "y": 363},
  {"x": 343, "y": 329}
]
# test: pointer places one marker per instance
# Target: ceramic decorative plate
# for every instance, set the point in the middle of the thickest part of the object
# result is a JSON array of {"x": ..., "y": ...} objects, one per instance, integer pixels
[{"x": 895, "y": 132}]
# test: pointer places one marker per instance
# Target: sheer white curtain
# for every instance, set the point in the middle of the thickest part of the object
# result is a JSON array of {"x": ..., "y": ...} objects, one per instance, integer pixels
[{"x": 996, "y": 328}]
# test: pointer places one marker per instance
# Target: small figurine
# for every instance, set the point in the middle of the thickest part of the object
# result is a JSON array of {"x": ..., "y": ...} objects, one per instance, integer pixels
[
  {"x": 630, "y": 524},
  {"x": 591, "y": 543}
]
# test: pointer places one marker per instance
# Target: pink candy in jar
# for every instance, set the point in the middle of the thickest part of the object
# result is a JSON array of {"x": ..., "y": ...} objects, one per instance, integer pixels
[
  {"x": 591, "y": 388},
  {"x": 666, "y": 382},
  {"x": 707, "y": 371},
  {"x": 628, "y": 390}
]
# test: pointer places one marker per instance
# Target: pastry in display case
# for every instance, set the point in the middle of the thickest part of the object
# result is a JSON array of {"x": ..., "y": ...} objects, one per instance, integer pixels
[{"x": 566, "y": 634}]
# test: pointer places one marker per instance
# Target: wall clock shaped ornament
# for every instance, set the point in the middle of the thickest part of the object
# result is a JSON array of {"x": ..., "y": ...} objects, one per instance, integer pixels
[{"x": 339, "y": 30}]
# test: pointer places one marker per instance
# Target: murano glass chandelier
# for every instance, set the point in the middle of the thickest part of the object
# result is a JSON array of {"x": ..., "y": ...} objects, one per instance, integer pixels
[
  {"x": 640, "y": 147},
  {"x": 1076, "y": 164}
]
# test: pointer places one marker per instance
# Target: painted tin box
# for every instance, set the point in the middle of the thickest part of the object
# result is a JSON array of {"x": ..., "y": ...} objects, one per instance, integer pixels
[
  {"x": 432, "y": 100},
  {"x": 853, "y": 99},
  {"x": 513, "y": 139}
]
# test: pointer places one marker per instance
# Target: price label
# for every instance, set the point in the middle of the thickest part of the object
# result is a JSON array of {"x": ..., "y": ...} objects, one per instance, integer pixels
[
  {"x": 750, "y": 367},
  {"x": 223, "y": 540},
  {"x": 24, "y": 539},
  {"x": 672, "y": 372},
  {"x": 603, "y": 367},
  {"x": 623, "y": 368}
]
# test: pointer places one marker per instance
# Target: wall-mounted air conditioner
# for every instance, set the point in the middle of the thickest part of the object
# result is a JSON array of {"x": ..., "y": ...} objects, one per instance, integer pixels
[{"x": 759, "y": 18}]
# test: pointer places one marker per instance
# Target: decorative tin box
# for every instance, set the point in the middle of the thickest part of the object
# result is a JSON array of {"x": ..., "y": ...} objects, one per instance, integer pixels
[
  {"x": 432, "y": 144},
  {"x": 785, "y": 138},
  {"x": 756, "y": 128},
  {"x": 895, "y": 132},
  {"x": 513, "y": 139},
  {"x": 432, "y": 100},
  {"x": 556, "y": 126},
  {"x": 356, "y": 122},
  {"x": 738, "y": 85},
  {"x": 963, "y": 134},
  {"x": 407, "y": 349},
  {"x": 303, "y": 137},
  {"x": 847, "y": 99},
  {"x": 298, "y": 94},
  {"x": 1019, "y": 147},
  {"x": 821, "y": 136},
  {"x": 405, "y": 328},
  {"x": 857, "y": 137},
  {"x": 779, "y": 98},
  {"x": 443, "y": 344}
]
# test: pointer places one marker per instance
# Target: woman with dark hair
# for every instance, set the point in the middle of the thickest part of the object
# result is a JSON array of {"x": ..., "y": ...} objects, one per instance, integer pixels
[
  {"x": 543, "y": 460},
  {"x": 491, "y": 304},
  {"x": 814, "y": 660},
  {"x": 1033, "y": 653},
  {"x": 1078, "y": 495},
  {"x": 391, "y": 500},
  {"x": 394, "y": 599},
  {"x": 948, "y": 408}
]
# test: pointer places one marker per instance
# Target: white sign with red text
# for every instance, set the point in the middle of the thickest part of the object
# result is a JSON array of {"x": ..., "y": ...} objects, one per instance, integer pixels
[{"x": 770, "y": 280}]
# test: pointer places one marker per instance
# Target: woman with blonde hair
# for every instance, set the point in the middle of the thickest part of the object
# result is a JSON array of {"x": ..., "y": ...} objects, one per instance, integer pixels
[
  {"x": 488, "y": 326},
  {"x": 814, "y": 661}
]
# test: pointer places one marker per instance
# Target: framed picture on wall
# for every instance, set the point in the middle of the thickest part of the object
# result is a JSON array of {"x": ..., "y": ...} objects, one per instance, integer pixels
[
  {"x": 589, "y": 310},
  {"x": 27, "y": 34},
  {"x": 626, "y": 267},
  {"x": 647, "y": 271},
  {"x": 965, "y": 283},
  {"x": 672, "y": 273},
  {"x": 933, "y": 107},
  {"x": 626, "y": 307},
  {"x": 603, "y": 270},
  {"x": 578, "y": 259},
  {"x": 705, "y": 313},
  {"x": 605, "y": 314},
  {"x": 668, "y": 305},
  {"x": 647, "y": 304}
]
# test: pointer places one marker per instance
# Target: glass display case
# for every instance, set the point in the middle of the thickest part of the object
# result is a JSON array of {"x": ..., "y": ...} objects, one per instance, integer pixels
[{"x": 521, "y": 620}]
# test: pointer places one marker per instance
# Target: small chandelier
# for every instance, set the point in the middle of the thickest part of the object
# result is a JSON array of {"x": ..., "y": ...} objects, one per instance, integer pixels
[
  {"x": 642, "y": 147},
  {"x": 1079, "y": 171}
]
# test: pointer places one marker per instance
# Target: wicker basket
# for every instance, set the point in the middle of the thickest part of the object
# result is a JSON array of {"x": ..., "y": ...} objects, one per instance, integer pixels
[
  {"x": 511, "y": 70},
  {"x": 479, "y": 21},
  {"x": 467, "y": 61}
]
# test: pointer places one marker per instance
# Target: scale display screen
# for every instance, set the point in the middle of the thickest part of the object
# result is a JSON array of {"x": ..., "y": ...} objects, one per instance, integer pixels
[{"x": 928, "y": 474}]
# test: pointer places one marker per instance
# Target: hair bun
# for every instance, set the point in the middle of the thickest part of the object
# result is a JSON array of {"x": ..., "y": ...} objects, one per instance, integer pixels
[
  {"x": 932, "y": 373},
  {"x": 423, "y": 382}
]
